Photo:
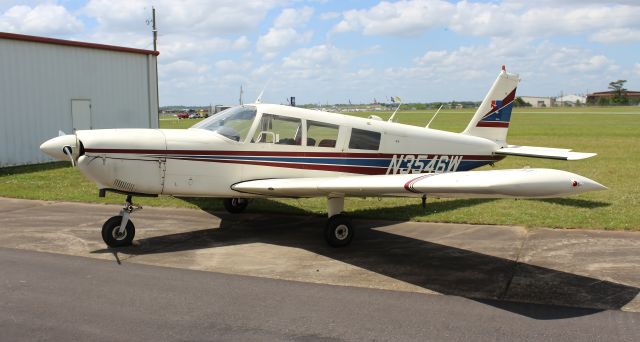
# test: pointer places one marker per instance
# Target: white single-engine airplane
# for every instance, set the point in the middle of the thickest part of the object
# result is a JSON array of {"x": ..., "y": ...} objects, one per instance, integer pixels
[{"x": 265, "y": 150}]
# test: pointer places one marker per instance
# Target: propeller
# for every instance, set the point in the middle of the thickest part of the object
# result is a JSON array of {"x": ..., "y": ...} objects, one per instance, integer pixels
[{"x": 69, "y": 152}]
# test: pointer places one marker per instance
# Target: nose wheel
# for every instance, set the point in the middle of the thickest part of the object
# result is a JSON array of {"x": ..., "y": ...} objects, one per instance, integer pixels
[
  {"x": 118, "y": 231},
  {"x": 113, "y": 236}
]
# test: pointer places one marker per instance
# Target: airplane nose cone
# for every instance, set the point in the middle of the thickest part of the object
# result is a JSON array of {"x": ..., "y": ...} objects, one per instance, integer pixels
[{"x": 54, "y": 147}]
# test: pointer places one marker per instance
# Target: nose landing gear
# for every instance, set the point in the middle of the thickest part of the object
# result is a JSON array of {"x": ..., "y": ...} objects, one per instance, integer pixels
[{"x": 118, "y": 231}]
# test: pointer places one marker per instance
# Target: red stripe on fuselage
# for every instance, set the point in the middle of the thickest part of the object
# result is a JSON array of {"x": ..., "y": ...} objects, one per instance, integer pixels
[{"x": 274, "y": 153}]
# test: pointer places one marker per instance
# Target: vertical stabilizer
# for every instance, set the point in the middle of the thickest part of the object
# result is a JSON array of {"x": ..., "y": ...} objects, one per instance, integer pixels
[{"x": 491, "y": 120}]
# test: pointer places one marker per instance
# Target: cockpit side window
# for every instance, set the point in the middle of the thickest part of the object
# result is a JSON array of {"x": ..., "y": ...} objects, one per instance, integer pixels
[
  {"x": 321, "y": 134},
  {"x": 364, "y": 140},
  {"x": 233, "y": 123},
  {"x": 277, "y": 129}
]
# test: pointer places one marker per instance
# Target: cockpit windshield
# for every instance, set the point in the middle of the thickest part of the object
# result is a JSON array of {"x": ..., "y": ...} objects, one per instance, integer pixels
[{"x": 233, "y": 123}]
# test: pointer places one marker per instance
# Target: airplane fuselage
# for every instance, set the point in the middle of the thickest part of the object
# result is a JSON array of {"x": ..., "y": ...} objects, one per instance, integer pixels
[{"x": 200, "y": 162}]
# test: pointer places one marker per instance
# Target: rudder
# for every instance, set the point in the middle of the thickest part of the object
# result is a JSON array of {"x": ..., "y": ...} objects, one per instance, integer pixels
[{"x": 491, "y": 120}]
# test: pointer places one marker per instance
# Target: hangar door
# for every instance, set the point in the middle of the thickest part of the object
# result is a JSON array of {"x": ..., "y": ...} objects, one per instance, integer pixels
[{"x": 81, "y": 114}]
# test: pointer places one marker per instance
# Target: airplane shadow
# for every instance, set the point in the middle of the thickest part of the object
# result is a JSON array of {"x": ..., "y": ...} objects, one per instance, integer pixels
[
  {"x": 499, "y": 282},
  {"x": 574, "y": 202},
  {"x": 400, "y": 212}
]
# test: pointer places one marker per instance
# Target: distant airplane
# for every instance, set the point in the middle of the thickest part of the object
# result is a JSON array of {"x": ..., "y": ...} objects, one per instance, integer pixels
[{"x": 266, "y": 150}]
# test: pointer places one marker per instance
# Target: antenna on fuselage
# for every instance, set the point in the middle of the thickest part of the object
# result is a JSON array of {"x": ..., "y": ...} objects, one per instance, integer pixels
[
  {"x": 397, "y": 99},
  {"x": 259, "y": 99},
  {"x": 434, "y": 116}
]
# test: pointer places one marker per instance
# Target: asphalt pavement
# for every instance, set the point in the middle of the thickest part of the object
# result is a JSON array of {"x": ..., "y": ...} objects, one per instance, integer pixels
[
  {"x": 55, "y": 297},
  {"x": 195, "y": 275}
]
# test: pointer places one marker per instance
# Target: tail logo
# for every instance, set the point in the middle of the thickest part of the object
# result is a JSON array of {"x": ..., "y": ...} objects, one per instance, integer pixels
[{"x": 500, "y": 113}]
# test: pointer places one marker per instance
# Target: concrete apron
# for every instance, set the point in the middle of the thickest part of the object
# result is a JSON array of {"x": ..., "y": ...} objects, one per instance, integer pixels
[{"x": 581, "y": 268}]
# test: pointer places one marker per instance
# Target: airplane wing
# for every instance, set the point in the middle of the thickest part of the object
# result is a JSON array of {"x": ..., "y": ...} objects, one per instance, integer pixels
[
  {"x": 543, "y": 152},
  {"x": 520, "y": 183}
]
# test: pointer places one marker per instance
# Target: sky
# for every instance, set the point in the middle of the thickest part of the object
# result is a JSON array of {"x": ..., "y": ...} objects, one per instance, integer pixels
[{"x": 340, "y": 51}]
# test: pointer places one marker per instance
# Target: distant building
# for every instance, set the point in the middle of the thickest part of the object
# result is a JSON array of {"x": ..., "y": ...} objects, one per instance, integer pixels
[
  {"x": 49, "y": 85},
  {"x": 593, "y": 98},
  {"x": 571, "y": 100},
  {"x": 538, "y": 101}
]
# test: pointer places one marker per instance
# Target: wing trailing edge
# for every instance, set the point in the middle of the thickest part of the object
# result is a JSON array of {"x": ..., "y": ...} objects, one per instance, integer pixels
[{"x": 543, "y": 152}]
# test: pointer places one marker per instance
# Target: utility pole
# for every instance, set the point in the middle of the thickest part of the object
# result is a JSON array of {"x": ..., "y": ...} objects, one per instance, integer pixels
[{"x": 155, "y": 30}]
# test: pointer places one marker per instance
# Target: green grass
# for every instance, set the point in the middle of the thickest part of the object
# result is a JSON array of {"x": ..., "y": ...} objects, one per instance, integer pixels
[{"x": 609, "y": 131}]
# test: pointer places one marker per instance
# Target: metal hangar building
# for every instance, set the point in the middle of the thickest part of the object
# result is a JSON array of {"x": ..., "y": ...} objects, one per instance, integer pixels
[{"x": 49, "y": 85}]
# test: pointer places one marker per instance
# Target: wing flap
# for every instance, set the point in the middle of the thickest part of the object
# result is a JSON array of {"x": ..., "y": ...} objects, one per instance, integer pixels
[
  {"x": 520, "y": 183},
  {"x": 543, "y": 152}
]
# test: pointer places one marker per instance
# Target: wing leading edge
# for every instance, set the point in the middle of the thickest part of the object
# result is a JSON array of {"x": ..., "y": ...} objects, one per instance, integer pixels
[{"x": 515, "y": 183}]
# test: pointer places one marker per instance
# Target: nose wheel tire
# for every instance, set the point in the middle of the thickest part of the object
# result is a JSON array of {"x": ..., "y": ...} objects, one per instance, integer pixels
[
  {"x": 235, "y": 205},
  {"x": 339, "y": 231},
  {"x": 111, "y": 235}
]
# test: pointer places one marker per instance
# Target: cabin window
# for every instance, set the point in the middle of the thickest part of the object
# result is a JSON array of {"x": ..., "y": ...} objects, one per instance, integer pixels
[
  {"x": 321, "y": 134},
  {"x": 277, "y": 129},
  {"x": 233, "y": 123},
  {"x": 364, "y": 140}
]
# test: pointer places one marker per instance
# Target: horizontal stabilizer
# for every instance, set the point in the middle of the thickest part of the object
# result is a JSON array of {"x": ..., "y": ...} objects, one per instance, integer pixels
[
  {"x": 516, "y": 183},
  {"x": 543, "y": 152}
]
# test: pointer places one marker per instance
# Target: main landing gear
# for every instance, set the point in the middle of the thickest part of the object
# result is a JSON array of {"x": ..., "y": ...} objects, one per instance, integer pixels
[
  {"x": 339, "y": 230},
  {"x": 118, "y": 231},
  {"x": 235, "y": 205}
]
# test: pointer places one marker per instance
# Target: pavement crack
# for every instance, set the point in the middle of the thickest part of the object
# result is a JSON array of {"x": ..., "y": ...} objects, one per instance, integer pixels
[{"x": 514, "y": 269}]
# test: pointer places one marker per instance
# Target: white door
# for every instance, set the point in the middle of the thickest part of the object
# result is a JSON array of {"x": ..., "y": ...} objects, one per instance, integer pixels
[{"x": 81, "y": 114}]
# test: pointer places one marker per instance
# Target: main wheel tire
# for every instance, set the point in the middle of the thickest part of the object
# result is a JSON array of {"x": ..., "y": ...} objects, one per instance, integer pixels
[
  {"x": 339, "y": 231},
  {"x": 235, "y": 205},
  {"x": 111, "y": 236}
]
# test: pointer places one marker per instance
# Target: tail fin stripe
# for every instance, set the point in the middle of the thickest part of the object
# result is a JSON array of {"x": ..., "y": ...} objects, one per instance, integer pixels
[
  {"x": 491, "y": 120},
  {"x": 498, "y": 124},
  {"x": 504, "y": 103}
]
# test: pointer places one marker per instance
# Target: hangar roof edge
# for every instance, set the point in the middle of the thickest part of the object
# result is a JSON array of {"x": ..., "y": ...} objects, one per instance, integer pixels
[{"x": 55, "y": 41}]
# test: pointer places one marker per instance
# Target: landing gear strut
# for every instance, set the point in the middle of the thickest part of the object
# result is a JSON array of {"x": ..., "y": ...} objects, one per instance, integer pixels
[
  {"x": 339, "y": 231},
  {"x": 118, "y": 231}
]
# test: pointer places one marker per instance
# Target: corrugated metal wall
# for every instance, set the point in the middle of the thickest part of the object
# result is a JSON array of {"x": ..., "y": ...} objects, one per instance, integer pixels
[{"x": 38, "y": 82}]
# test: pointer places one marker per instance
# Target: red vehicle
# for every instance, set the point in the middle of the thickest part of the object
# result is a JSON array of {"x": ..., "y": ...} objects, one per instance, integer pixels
[{"x": 183, "y": 115}]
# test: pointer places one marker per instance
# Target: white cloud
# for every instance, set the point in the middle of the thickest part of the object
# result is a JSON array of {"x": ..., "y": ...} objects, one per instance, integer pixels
[
  {"x": 278, "y": 39},
  {"x": 616, "y": 35},
  {"x": 318, "y": 57},
  {"x": 285, "y": 33},
  {"x": 636, "y": 69},
  {"x": 292, "y": 17},
  {"x": 43, "y": 19},
  {"x": 194, "y": 17},
  {"x": 227, "y": 65},
  {"x": 329, "y": 15},
  {"x": 610, "y": 22},
  {"x": 403, "y": 18}
]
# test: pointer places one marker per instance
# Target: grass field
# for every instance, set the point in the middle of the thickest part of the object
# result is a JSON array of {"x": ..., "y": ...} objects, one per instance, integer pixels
[{"x": 612, "y": 132}]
